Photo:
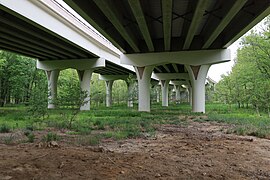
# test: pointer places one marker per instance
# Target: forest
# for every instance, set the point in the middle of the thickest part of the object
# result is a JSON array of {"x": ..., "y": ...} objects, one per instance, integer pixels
[{"x": 248, "y": 84}]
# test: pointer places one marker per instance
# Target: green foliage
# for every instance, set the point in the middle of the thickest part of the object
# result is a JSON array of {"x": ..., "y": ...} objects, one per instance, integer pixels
[
  {"x": 71, "y": 98},
  {"x": 39, "y": 97},
  {"x": 89, "y": 140},
  {"x": 119, "y": 91},
  {"x": 119, "y": 122},
  {"x": 249, "y": 82},
  {"x": 50, "y": 136},
  {"x": 4, "y": 128},
  {"x": 30, "y": 137},
  {"x": 16, "y": 78},
  {"x": 9, "y": 139},
  {"x": 98, "y": 91}
]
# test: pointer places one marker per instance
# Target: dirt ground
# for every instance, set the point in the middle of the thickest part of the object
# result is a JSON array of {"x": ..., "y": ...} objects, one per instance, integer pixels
[{"x": 195, "y": 151}]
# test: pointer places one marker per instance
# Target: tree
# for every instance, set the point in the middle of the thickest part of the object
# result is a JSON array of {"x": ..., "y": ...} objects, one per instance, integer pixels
[
  {"x": 38, "y": 96},
  {"x": 249, "y": 81},
  {"x": 16, "y": 77}
]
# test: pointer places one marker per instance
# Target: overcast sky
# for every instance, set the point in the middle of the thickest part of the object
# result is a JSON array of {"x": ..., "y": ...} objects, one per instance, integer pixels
[{"x": 217, "y": 70}]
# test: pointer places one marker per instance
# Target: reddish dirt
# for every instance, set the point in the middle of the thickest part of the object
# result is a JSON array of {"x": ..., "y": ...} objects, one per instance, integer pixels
[{"x": 194, "y": 151}]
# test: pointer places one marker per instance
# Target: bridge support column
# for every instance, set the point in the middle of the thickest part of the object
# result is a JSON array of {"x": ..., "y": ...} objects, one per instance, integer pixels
[
  {"x": 52, "y": 77},
  {"x": 130, "y": 86},
  {"x": 158, "y": 95},
  {"x": 198, "y": 76},
  {"x": 144, "y": 81},
  {"x": 109, "y": 85},
  {"x": 177, "y": 93},
  {"x": 165, "y": 92},
  {"x": 85, "y": 78},
  {"x": 190, "y": 95}
]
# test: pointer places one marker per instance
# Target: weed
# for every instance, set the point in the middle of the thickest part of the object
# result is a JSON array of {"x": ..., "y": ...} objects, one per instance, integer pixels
[
  {"x": 88, "y": 140},
  {"x": 57, "y": 124},
  {"x": 50, "y": 137},
  {"x": 84, "y": 130},
  {"x": 31, "y": 137},
  {"x": 240, "y": 131},
  {"x": 4, "y": 128},
  {"x": 109, "y": 134},
  {"x": 9, "y": 139},
  {"x": 29, "y": 127}
]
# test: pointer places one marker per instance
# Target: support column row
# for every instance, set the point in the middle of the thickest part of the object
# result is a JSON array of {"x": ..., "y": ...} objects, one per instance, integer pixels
[
  {"x": 85, "y": 78},
  {"x": 144, "y": 79},
  {"x": 109, "y": 85},
  {"x": 197, "y": 77}
]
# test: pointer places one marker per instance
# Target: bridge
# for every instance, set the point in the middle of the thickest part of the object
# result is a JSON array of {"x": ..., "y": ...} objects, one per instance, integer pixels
[{"x": 169, "y": 40}]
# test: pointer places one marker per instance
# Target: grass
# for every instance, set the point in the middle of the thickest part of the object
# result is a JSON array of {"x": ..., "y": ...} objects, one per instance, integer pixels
[
  {"x": 50, "y": 136},
  {"x": 120, "y": 122},
  {"x": 4, "y": 128}
]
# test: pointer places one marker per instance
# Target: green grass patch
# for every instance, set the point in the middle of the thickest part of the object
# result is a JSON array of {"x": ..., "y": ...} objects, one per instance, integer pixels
[
  {"x": 50, "y": 136},
  {"x": 120, "y": 122}
]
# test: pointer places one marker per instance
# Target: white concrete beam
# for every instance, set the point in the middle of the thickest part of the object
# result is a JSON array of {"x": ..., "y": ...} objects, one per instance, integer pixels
[
  {"x": 196, "y": 21},
  {"x": 169, "y": 76},
  {"x": 237, "y": 6},
  {"x": 177, "y": 93},
  {"x": 85, "y": 78},
  {"x": 248, "y": 27},
  {"x": 157, "y": 68},
  {"x": 190, "y": 95},
  {"x": 144, "y": 79},
  {"x": 80, "y": 64},
  {"x": 165, "y": 92},
  {"x": 92, "y": 22},
  {"x": 198, "y": 76},
  {"x": 167, "y": 22},
  {"x": 49, "y": 14},
  {"x": 175, "y": 68},
  {"x": 179, "y": 83},
  {"x": 166, "y": 68},
  {"x": 29, "y": 44},
  {"x": 114, "y": 77},
  {"x": 52, "y": 77},
  {"x": 194, "y": 58},
  {"x": 109, "y": 85},
  {"x": 139, "y": 16},
  {"x": 114, "y": 18}
]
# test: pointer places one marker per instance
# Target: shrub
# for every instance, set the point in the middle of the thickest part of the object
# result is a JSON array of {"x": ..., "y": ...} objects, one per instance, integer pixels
[
  {"x": 31, "y": 137},
  {"x": 4, "y": 128},
  {"x": 9, "y": 139},
  {"x": 50, "y": 137},
  {"x": 86, "y": 140}
]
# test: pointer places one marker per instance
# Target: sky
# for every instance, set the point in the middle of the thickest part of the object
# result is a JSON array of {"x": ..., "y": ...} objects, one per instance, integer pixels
[{"x": 217, "y": 70}]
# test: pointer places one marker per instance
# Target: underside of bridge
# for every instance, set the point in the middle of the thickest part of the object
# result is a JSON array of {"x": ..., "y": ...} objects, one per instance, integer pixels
[
  {"x": 53, "y": 51},
  {"x": 140, "y": 26},
  {"x": 175, "y": 40},
  {"x": 156, "y": 29},
  {"x": 25, "y": 37}
]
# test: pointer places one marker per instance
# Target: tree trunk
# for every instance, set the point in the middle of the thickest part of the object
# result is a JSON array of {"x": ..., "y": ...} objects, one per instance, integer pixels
[
  {"x": 257, "y": 110},
  {"x": 239, "y": 105}
]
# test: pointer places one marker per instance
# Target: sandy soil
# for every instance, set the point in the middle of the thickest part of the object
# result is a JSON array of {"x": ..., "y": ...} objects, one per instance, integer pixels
[{"x": 194, "y": 151}]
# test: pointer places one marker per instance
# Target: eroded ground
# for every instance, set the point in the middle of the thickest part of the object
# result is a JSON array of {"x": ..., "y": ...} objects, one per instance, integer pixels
[{"x": 193, "y": 151}]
